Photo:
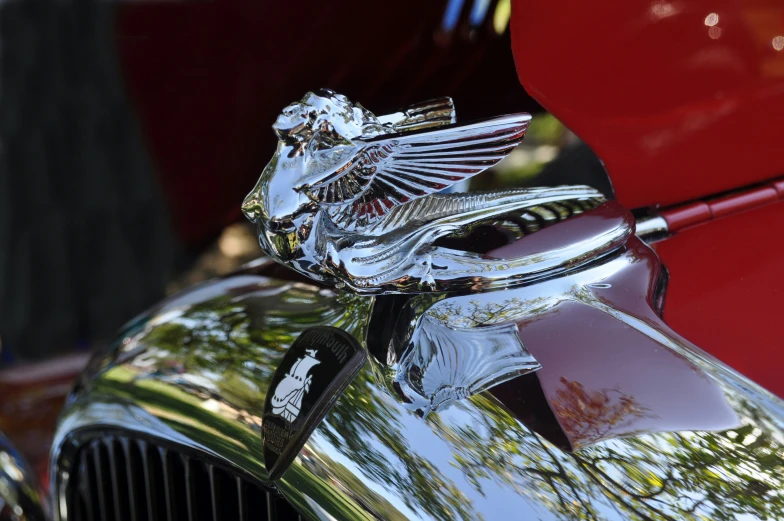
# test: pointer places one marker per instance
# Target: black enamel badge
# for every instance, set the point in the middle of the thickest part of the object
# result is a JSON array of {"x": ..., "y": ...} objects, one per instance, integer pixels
[{"x": 317, "y": 368}]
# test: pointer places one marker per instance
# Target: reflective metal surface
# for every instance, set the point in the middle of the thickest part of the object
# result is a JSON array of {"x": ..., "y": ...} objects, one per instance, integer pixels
[
  {"x": 624, "y": 420},
  {"x": 445, "y": 348},
  {"x": 20, "y": 496},
  {"x": 651, "y": 227},
  {"x": 351, "y": 199},
  {"x": 442, "y": 363},
  {"x": 195, "y": 370},
  {"x": 654, "y": 428}
]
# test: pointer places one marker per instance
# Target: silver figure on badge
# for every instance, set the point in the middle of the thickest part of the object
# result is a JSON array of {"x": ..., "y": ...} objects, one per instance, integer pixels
[
  {"x": 352, "y": 199},
  {"x": 287, "y": 400}
]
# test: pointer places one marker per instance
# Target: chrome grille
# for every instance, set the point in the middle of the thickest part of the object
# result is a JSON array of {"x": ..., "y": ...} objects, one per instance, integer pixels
[{"x": 118, "y": 478}]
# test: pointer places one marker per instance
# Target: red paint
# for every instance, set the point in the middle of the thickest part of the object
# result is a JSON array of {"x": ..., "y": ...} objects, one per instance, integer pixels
[
  {"x": 688, "y": 215},
  {"x": 779, "y": 186},
  {"x": 726, "y": 290},
  {"x": 676, "y": 109},
  {"x": 701, "y": 212},
  {"x": 738, "y": 202},
  {"x": 188, "y": 71},
  {"x": 33, "y": 395}
]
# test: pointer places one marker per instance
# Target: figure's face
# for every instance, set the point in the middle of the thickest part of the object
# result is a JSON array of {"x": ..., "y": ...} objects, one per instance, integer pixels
[
  {"x": 295, "y": 119},
  {"x": 277, "y": 208}
]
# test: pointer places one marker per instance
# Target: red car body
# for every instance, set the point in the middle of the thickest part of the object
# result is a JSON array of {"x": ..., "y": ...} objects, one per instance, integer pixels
[{"x": 683, "y": 102}]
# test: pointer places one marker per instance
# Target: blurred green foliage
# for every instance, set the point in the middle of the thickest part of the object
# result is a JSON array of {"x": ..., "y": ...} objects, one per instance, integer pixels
[{"x": 544, "y": 140}]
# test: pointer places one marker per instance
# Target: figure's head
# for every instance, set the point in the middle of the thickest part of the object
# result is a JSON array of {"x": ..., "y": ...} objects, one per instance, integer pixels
[{"x": 322, "y": 111}]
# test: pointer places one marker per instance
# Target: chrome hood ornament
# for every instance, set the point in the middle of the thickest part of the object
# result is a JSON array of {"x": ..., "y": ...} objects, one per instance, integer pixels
[{"x": 352, "y": 199}]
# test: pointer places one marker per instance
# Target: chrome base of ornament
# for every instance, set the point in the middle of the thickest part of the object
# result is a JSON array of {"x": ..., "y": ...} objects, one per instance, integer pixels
[{"x": 354, "y": 200}]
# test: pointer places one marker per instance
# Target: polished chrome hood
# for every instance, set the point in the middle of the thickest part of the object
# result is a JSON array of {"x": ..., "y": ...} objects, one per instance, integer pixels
[{"x": 621, "y": 422}]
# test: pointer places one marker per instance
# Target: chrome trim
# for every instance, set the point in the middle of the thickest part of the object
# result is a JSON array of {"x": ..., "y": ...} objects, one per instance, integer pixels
[
  {"x": 441, "y": 363},
  {"x": 651, "y": 227}
]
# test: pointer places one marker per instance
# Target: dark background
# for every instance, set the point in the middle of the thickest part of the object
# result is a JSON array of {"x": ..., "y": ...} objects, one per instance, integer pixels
[{"x": 130, "y": 134}]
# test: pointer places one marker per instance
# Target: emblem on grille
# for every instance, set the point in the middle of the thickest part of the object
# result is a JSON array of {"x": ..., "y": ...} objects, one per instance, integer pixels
[
  {"x": 314, "y": 372},
  {"x": 352, "y": 199},
  {"x": 287, "y": 400}
]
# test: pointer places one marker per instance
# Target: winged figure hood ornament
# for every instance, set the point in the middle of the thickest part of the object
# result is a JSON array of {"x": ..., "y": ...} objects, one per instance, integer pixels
[{"x": 353, "y": 199}]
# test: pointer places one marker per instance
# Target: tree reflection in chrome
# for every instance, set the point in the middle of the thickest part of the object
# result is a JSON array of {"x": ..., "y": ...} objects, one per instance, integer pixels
[
  {"x": 589, "y": 416},
  {"x": 692, "y": 475},
  {"x": 456, "y": 347},
  {"x": 666, "y": 476},
  {"x": 443, "y": 362}
]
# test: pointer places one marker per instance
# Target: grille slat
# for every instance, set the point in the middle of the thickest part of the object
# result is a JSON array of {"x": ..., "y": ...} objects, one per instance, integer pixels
[
  {"x": 168, "y": 485},
  {"x": 132, "y": 475},
  {"x": 179, "y": 479},
  {"x": 215, "y": 493},
  {"x": 100, "y": 479},
  {"x": 272, "y": 512},
  {"x": 84, "y": 504},
  {"x": 190, "y": 490},
  {"x": 242, "y": 503},
  {"x": 152, "y": 483},
  {"x": 119, "y": 486},
  {"x": 119, "y": 478}
]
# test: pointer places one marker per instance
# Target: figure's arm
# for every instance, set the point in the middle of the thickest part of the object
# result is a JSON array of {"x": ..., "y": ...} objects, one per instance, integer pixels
[{"x": 425, "y": 114}]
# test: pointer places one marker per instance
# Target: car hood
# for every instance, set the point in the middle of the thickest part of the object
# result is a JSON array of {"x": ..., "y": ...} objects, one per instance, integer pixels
[{"x": 613, "y": 427}]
